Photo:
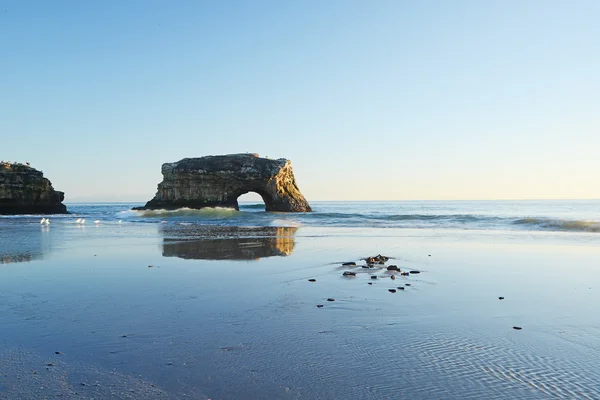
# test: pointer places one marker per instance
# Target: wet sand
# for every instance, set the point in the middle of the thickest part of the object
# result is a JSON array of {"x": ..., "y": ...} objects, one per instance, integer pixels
[{"x": 136, "y": 316}]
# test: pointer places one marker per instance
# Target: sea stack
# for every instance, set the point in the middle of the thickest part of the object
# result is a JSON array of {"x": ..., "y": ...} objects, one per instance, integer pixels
[
  {"x": 24, "y": 190},
  {"x": 218, "y": 181}
]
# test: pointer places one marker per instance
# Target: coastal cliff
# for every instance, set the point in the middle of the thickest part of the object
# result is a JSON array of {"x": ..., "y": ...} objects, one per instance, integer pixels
[
  {"x": 24, "y": 190},
  {"x": 218, "y": 181}
]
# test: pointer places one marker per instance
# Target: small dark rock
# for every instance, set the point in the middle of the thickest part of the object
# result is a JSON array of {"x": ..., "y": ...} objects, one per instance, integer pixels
[
  {"x": 312, "y": 280},
  {"x": 50, "y": 364},
  {"x": 348, "y": 263},
  {"x": 330, "y": 299},
  {"x": 348, "y": 273},
  {"x": 393, "y": 268},
  {"x": 500, "y": 298},
  {"x": 392, "y": 290},
  {"x": 518, "y": 328},
  {"x": 83, "y": 384},
  {"x": 428, "y": 255},
  {"x": 401, "y": 287},
  {"x": 319, "y": 305},
  {"x": 169, "y": 363},
  {"x": 373, "y": 276},
  {"x": 404, "y": 274},
  {"x": 407, "y": 284},
  {"x": 415, "y": 272},
  {"x": 393, "y": 277},
  {"x": 370, "y": 283},
  {"x": 366, "y": 266},
  {"x": 57, "y": 352}
]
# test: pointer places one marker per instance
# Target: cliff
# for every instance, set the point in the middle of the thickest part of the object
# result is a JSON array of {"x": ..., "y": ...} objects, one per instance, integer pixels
[
  {"x": 218, "y": 181},
  {"x": 24, "y": 190}
]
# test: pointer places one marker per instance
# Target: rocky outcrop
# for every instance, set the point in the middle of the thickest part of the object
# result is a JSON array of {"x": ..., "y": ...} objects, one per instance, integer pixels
[
  {"x": 218, "y": 181},
  {"x": 24, "y": 190}
]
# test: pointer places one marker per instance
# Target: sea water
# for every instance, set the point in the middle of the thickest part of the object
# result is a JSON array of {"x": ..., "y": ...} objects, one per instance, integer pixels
[{"x": 217, "y": 304}]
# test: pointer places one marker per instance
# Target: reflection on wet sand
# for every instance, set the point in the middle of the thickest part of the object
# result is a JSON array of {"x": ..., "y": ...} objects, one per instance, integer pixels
[
  {"x": 227, "y": 242},
  {"x": 29, "y": 245}
]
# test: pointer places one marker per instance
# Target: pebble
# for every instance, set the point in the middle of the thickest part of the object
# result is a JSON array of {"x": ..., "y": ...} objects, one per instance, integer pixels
[
  {"x": 518, "y": 328},
  {"x": 407, "y": 284},
  {"x": 349, "y": 263},
  {"x": 312, "y": 280},
  {"x": 393, "y": 277},
  {"x": 392, "y": 290},
  {"x": 348, "y": 273},
  {"x": 57, "y": 352},
  {"x": 393, "y": 268},
  {"x": 500, "y": 298},
  {"x": 415, "y": 272},
  {"x": 366, "y": 266},
  {"x": 401, "y": 287},
  {"x": 330, "y": 299},
  {"x": 169, "y": 363},
  {"x": 373, "y": 276},
  {"x": 370, "y": 283},
  {"x": 319, "y": 305},
  {"x": 50, "y": 364}
]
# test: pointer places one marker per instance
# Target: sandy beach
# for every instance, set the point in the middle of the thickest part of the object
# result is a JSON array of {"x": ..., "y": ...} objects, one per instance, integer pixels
[{"x": 129, "y": 313}]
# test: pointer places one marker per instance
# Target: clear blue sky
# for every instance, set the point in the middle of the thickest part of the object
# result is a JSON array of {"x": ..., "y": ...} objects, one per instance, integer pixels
[{"x": 369, "y": 99}]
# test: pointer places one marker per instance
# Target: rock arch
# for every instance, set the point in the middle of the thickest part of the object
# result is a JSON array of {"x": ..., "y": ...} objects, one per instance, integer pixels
[{"x": 218, "y": 181}]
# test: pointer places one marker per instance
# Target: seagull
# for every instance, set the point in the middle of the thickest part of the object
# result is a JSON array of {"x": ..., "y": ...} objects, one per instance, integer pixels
[
  {"x": 97, "y": 221},
  {"x": 82, "y": 221},
  {"x": 43, "y": 221},
  {"x": 120, "y": 221},
  {"x": 78, "y": 221},
  {"x": 47, "y": 222}
]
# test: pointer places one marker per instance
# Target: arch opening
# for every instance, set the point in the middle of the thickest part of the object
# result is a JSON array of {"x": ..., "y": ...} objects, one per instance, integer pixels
[{"x": 251, "y": 201}]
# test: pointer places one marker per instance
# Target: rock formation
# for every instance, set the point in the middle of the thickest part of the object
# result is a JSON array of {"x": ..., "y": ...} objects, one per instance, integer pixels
[
  {"x": 24, "y": 190},
  {"x": 218, "y": 181}
]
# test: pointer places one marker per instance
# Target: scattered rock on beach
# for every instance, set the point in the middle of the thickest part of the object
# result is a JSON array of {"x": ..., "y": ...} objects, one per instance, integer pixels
[
  {"x": 378, "y": 259},
  {"x": 404, "y": 273},
  {"x": 349, "y": 273},
  {"x": 393, "y": 277},
  {"x": 331, "y": 299},
  {"x": 407, "y": 284},
  {"x": 366, "y": 266},
  {"x": 393, "y": 268},
  {"x": 518, "y": 328},
  {"x": 58, "y": 352},
  {"x": 373, "y": 276},
  {"x": 348, "y": 263},
  {"x": 319, "y": 305},
  {"x": 392, "y": 290},
  {"x": 370, "y": 283},
  {"x": 500, "y": 298},
  {"x": 312, "y": 280},
  {"x": 401, "y": 287},
  {"x": 415, "y": 272}
]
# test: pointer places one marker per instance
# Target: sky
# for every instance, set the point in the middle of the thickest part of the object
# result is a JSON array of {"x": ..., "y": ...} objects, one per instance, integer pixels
[{"x": 371, "y": 100}]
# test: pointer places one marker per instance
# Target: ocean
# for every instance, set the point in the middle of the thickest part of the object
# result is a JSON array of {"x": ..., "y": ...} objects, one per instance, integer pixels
[{"x": 217, "y": 303}]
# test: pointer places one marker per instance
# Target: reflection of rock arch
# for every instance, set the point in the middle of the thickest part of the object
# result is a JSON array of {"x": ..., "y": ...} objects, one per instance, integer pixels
[
  {"x": 218, "y": 181},
  {"x": 228, "y": 242}
]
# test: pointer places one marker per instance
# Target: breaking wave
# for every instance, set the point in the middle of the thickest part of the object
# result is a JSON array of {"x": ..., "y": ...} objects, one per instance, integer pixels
[
  {"x": 560, "y": 224},
  {"x": 251, "y": 215}
]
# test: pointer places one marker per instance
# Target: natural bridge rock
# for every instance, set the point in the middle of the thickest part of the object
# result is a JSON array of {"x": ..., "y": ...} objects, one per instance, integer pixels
[
  {"x": 24, "y": 190},
  {"x": 218, "y": 181}
]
